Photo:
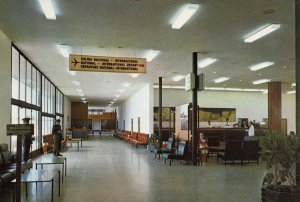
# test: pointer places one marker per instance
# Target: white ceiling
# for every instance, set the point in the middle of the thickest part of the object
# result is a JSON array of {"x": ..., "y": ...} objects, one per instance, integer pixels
[{"x": 129, "y": 28}]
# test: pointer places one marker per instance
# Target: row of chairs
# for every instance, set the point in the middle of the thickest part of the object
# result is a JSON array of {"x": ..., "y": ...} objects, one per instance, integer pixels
[
  {"x": 170, "y": 153},
  {"x": 8, "y": 166}
]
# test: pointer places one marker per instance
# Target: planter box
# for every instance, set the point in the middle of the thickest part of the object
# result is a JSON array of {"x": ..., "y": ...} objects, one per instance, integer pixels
[{"x": 268, "y": 195}]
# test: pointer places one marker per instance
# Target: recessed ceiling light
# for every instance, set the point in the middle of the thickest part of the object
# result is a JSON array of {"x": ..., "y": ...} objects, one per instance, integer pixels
[
  {"x": 117, "y": 95},
  {"x": 206, "y": 62},
  {"x": 134, "y": 75},
  {"x": 260, "y": 81},
  {"x": 221, "y": 79},
  {"x": 262, "y": 32},
  {"x": 126, "y": 84},
  {"x": 73, "y": 73},
  {"x": 214, "y": 72},
  {"x": 48, "y": 9},
  {"x": 259, "y": 74},
  {"x": 293, "y": 84},
  {"x": 77, "y": 83},
  {"x": 284, "y": 67},
  {"x": 184, "y": 15},
  {"x": 240, "y": 80},
  {"x": 151, "y": 54},
  {"x": 177, "y": 78},
  {"x": 261, "y": 66},
  {"x": 291, "y": 92},
  {"x": 64, "y": 50}
]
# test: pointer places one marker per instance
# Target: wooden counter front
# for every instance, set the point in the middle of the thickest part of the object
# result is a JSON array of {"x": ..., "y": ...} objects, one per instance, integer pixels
[{"x": 228, "y": 133}]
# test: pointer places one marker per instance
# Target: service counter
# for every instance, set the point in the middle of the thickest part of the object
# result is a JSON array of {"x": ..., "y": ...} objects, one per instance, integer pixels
[
  {"x": 228, "y": 133},
  {"x": 79, "y": 133}
]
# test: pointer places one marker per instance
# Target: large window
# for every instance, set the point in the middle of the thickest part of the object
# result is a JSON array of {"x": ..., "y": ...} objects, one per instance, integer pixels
[{"x": 33, "y": 96}]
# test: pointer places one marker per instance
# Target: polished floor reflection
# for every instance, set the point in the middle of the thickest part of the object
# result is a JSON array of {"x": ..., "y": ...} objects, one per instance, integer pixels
[{"x": 108, "y": 169}]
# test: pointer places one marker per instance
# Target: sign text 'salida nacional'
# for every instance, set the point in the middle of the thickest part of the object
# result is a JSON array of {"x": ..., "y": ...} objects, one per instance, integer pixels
[{"x": 107, "y": 64}]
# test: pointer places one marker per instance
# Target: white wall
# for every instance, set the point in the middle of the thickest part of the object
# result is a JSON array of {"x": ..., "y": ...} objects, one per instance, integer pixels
[
  {"x": 138, "y": 105},
  {"x": 5, "y": 86},
  {"x": 67, "y": 113},
  {"x": 251, "y": 105}
]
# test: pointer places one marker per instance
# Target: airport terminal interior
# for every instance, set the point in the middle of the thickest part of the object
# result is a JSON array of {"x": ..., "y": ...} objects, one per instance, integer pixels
[{"x": 152, "y": 97}]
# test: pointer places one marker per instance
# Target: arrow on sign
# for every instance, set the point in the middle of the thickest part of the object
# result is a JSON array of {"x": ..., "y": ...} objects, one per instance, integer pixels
[{"x": 75, "y": 62}]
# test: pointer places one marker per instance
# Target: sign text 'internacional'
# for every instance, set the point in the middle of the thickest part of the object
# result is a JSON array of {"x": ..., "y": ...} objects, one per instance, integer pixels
[{"x": 107, "y": 64}]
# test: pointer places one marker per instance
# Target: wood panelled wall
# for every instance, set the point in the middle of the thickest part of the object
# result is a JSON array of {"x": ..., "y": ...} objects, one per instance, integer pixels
[
  {"x": 79, "y": 114},
  {"x": 103, "y": 116}
]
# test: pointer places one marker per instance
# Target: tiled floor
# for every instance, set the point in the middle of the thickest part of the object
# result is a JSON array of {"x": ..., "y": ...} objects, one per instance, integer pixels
[{"x": 108, "y": 169}]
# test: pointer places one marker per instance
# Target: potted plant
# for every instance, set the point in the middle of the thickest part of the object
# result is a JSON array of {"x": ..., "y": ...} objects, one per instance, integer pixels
[
  {"x": 279, "y": 152},
  {"x": 152, "y": 142}
]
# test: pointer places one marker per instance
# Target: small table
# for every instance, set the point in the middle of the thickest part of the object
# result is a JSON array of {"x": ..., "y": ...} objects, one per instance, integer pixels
[
  {"x": 54, "y": 160},
  {"x": 75, "y": 140},
  {"x": 35, "y": 176},
  {"x": 78, "y": 139}
]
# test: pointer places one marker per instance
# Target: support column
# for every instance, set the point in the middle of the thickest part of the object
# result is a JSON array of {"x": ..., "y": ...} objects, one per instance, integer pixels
[
  {"x": 274, "y": 106},
  {"x": 160, "y": 113},
  {"x": 194, "y": 111},
  {"x": 297, "y": 19}
]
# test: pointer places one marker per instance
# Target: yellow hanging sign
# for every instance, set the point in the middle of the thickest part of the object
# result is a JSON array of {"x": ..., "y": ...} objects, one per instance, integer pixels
[{"x": 107, "y": 64}]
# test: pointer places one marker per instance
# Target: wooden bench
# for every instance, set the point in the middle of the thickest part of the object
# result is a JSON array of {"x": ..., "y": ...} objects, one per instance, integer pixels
[
  {"x": 49, "y": 140},
  {"x": 132, "y": 137},
  {"x": 141, "y": 139}
]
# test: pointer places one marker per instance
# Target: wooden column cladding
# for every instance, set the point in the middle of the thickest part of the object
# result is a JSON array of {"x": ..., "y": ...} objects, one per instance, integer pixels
[
  {"x": 274, "y": 106},
  {"x": 79, "y": 114}
]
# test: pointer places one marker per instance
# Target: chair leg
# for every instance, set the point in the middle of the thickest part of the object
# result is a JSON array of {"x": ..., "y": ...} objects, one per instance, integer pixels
[{"x": 170, "y": 161}]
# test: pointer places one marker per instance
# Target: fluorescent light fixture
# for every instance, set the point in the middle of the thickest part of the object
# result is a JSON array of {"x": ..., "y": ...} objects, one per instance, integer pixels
[
  {"x": 126, "y": 84},
  {"x": 77, "y": 83},
  {"x": 177, "y": 78},
  {"x": 169, "y": 87},
  {"x": 48, "y": 9},
  {"x": 214, "y": 88},
  {"x": 293, "y": 84},
  {"x": 64, "y": 50},
  {"x": 262, "y": 32},
  {"x": 260, "y": 81},
  {"x": 83, "y": 98},
  {"x": 206, "y": 62},
  {"x": 291, "y": 92},
  {"x": 79, "y": 90},
  {"x": 221, "y": 79},
  {"x": 184, "y": 15},
  {"x": 261, "y": 66},
  {"x": 151, "y": 54},
  {"x": 117, "y": 95},
  {"x": 134, "y": 75},
  {"x": 234, "y": 89}
]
